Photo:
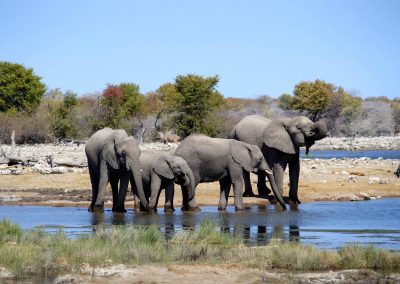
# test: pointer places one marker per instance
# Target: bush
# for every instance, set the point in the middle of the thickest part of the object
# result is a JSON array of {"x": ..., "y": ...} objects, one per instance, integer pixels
[
  {"x": 29, "y": 128},
  {"x": 9, "y": 231}
]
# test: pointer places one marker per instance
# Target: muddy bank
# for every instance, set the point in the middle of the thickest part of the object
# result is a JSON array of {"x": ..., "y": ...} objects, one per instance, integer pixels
[{"x": 209, "y": 274}]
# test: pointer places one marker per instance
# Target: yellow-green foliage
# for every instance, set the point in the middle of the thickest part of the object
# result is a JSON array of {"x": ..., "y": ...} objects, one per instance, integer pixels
[
  {"x": 355, "y": 256},
  {"x": 9, "y": 231}
]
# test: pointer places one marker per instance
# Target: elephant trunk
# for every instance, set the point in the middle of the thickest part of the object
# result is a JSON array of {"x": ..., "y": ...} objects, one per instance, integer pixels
[
  {"x": 275, "y": 189},
  {"x": 137, "y": 177},
  {"x": 319, "y": 131},
  {"x": 191, "y": 186},
  {"x": 188, "y": 192},
  {"x": 264, "y": 167}
]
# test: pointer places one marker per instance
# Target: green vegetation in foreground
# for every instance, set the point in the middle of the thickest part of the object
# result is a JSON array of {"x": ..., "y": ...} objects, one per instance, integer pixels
[{"x": 25, "y": 253}]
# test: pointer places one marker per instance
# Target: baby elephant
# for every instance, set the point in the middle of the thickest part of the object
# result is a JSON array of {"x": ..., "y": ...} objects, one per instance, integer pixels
[{"x": 160, "y": 171}]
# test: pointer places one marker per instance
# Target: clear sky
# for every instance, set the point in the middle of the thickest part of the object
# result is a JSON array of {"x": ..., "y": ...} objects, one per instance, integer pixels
[{"x": 256, "y": 47}]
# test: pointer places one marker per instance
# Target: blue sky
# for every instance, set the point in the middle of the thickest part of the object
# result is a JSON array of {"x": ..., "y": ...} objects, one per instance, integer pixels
[{"x": 256, "y": 47}]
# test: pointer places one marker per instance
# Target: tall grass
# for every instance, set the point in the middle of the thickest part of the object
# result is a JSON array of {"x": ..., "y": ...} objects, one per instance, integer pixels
[{"x": 29, "y": 252}]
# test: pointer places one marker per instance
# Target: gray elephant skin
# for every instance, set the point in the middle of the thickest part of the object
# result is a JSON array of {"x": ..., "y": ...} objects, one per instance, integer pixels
[
  {"x": 280, "y": 141},
  {"x": 160, "y": 171},
  {"x": 113, "y": 157},
  {"x": 223, "y": 160}
]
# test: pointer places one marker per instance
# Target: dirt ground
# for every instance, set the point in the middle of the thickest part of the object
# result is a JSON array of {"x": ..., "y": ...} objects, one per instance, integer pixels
[
  {"x": 319, "y": 180},
  {"x": 221, "y": 274}
]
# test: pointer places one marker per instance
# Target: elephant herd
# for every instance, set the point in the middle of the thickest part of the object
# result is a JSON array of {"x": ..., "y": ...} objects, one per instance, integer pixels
[{"x": 255, "y": 145}]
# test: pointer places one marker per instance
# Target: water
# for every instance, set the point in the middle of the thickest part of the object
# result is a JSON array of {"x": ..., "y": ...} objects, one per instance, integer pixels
[
  {"x": 373, "y": 154},
  {"x": 326, "y": 225}
]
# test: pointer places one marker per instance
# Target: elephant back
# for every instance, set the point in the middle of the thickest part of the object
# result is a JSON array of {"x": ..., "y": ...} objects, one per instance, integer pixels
[{"x": 250, "y": 129}]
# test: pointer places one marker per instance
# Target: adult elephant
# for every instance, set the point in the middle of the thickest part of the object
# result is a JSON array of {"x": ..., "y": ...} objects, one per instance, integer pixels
[
  {"x": 160, "y": 171},
  {"x": 280, "y": 141},
  {"x": 223, "y": 160},
  {"x": 113, "y": 157}
]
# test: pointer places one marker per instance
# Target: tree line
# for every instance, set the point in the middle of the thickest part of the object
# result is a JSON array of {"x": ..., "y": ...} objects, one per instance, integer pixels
[{"x": 190, "y": 104}]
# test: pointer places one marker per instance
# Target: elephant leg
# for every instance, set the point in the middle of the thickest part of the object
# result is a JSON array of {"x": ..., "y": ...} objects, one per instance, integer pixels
[
  {"x": 114, "y": 187},
  {"x": 278, "y": 170},
  {"x": 248, "y": 191},
  {"x": 94, "y": 180},
  {"x": 294, "y": 171},
  {"x": 225, "y": 187},
  {"x": 99, "y": 205},
  {"x": 188, "y": 205},
  {"x": 123, "y": 187},
  {"x": 238, "y": 193},
  {"x": 155, "y": 189},
  {"x": 136, "y": 199},
  {"x": 263, "y": 190},
  {"x": 169, "y": 197}
]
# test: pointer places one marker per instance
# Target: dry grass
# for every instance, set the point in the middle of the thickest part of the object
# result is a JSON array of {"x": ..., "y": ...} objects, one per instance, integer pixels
[{"x": 29, "y": 252}]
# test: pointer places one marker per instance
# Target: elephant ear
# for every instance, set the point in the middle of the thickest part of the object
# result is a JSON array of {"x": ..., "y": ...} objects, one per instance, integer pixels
[
  {"x": 276, "y": 136},
  {"x": 241, "y": 154},
  {"x": 163, "y": 168},
  {"x": 109, "y": 155}
]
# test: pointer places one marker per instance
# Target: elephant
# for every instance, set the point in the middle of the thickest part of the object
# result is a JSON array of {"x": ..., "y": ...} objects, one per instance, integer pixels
[
  {"x": 223, "y": 160},
  {"x": 113, "y": 157},
  {"x": 280, "y": 141},
  {"x": 160, "y": 171}
]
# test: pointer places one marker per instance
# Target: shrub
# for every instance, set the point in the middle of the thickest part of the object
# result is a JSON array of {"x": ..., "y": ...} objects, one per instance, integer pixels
[{"x": 29, "y": 128}]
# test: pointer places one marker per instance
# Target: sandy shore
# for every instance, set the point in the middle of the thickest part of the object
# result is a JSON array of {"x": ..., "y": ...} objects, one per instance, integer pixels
[{"x": 334, "y": 179}]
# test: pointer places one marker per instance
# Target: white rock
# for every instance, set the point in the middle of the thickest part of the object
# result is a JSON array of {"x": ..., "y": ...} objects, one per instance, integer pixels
[
  {"x": 69, "y": 278},
  {"x": 364, "y": 195},
  {"x": 4, "y": 273},
  {"x": 372, "y": 180},
  {"x": 384, "y": 181},
  {"x": 116, "y": 271},
  {"x": 354, "y": 197}
]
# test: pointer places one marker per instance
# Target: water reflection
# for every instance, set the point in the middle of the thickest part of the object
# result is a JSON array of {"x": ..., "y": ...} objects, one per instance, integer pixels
[
  {"x": 323, "y": 224},
  {"x": 248, "y": 225}
]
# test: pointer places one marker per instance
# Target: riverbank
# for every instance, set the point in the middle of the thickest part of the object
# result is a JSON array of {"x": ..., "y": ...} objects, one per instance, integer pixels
[
  {"x": 204, "y": 255},
  {"x": 358, "y": 143},
  {"x": 320, "y": 180}
]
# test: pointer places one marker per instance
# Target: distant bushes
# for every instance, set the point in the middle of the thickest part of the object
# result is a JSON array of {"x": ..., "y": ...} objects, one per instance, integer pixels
[
  {"x": 190, "y": 104},
  {"x": 29, "y": 128}
]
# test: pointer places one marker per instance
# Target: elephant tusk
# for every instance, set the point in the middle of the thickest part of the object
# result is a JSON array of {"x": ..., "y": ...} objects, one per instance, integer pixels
[{"x": 268, "y": 172}]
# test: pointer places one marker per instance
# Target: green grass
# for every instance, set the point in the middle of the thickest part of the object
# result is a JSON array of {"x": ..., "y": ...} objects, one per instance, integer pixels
[{"x": 25, "y": 253}]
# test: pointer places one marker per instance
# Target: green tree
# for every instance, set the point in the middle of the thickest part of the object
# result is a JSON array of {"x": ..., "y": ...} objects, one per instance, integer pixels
[
  {"x": 285, "y": 101},
  {"x": 134, "y": 102},
  {"x": 20, "y": 88},
  {"x": 63, "y": 124},
  {"x": 312, "y": 98},
  {"x": 195, "y": 105}
]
